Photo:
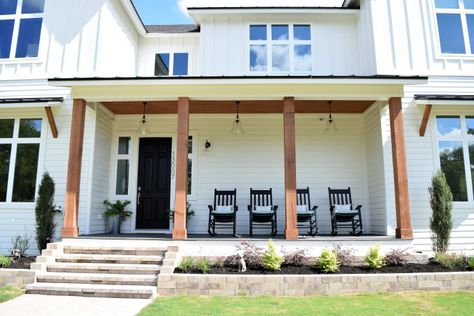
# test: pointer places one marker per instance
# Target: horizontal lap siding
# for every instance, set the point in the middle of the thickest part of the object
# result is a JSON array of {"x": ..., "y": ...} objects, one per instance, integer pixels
[{"x": 17, "y": 220}]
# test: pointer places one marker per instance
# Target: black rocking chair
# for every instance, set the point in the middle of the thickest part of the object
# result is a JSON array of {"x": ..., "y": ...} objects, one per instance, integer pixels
[
  {"x": 223, "y": 212},
  {"x": 340, "y": 202},
  {"x": 305, "y": 214},
  {"x": 261, "y": 210}
]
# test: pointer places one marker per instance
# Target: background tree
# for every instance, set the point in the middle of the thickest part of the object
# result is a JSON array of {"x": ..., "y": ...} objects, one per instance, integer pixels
[
  {"x": 441, "y": 223},
  {"x": 44, "y": 211}
]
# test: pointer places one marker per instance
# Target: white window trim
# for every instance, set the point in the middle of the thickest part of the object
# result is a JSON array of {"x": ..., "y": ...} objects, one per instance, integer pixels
[
  {"x": 465, "y": 139},
  {"x": 291, "y": 42},
  {"x": 462, "y": 11},
  {"x": 171, "y": 70},
  {"x": 15, "y": 141},
  {"x": 17, "y": 17}
]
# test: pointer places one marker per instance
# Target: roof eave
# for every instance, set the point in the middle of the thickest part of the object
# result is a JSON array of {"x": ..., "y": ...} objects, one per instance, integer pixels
[{"x": 134, "y": 16}]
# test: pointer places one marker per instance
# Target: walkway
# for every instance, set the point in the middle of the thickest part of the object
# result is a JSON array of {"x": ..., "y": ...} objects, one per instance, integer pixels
[{"x": 46, "y": 305}]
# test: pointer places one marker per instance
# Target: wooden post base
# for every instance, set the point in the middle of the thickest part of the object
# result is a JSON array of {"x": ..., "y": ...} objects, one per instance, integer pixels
[
  {"x": 404, "y": 233},
  {"x": 180, "y": 234},
  {"x": 291, "y": 234},
  {"x": 70, "y": 232}
]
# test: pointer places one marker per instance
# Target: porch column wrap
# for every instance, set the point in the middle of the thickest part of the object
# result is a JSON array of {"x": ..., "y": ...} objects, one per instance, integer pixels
[
  {"x": 291, "y": 226},
  {"x": 73, "y": 181},
  {"x": 179, "y": 229},
  {"x": 402, "y": 203}
]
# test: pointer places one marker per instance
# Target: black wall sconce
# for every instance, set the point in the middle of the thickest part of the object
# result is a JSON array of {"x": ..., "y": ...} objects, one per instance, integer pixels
[{"x": 207, "y": 145}]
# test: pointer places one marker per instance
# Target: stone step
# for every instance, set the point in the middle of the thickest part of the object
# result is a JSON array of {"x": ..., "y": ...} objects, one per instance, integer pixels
[
  {"x": 103, "y": 268},
  {"x": 114, "y": 250},
  {"x": 97, "y": 278},
  {"x": 95, "y": 290},
  {"x": 84, "y": 258}
]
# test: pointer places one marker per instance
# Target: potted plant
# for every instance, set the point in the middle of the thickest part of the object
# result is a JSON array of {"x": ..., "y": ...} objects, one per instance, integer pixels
[
  {"x": 118, "y": 212},
  {"x": 189, "y": 213}
]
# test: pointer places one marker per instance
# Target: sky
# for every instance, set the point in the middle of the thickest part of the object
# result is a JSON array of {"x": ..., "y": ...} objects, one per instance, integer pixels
[{"x": 174, "y": 11}]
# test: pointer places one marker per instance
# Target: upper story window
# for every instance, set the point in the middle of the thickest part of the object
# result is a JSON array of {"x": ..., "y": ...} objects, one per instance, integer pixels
[
  {"x": 20, "y": 28},
  {"x": 171, "y": 64},
  {"x": 280, "y": 48},
  {"x": 455, "y": 26}
]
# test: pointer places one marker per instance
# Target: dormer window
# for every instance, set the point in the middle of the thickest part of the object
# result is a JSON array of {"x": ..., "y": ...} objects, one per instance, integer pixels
[
  {"x": 455, "y": 20},
  {"x": 20, "y": 28},
  {"x": 167, "y": 64},
  {"x": 280, "y": 48}
]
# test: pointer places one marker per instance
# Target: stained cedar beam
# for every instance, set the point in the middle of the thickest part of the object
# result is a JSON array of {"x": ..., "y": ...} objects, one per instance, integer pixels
[
  {"x": 73, "y": 180},
  {"x": 425, "y": 119},
  {"x": 179, "y": 230},
  {"x": 51, "y": 121},
  {"x": 400, "y": 173},
  {"x": 291, "y": 225}
]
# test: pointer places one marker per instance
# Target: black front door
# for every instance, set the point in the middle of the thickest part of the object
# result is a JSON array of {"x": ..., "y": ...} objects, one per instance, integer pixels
[{"x": 154, "y": 172}]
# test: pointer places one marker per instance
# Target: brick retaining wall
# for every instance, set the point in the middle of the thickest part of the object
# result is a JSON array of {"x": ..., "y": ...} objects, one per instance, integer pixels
[
  {"x": 16, "y": 277},
  {"x": 300, "y": 285}
]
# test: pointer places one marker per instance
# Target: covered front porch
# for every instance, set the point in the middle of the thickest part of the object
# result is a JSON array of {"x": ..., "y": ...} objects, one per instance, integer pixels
[{"x": 284, "y": 147}]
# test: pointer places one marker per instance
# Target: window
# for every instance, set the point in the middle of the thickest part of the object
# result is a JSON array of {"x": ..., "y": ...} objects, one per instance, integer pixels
[
  {"x": 123, "y": 165},
  {"x": 455, "y": 19},
  {"x": 20, "y": 28},
  {"x": 280, "y": 48},
  {"x": 171, "y": 64},
  {"x": 455, "y": 136},
  {"x": 19, "y": 152}
]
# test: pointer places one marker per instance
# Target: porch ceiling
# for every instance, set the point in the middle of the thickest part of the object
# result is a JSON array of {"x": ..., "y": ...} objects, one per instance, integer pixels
[{"x": 246, "y": 106}]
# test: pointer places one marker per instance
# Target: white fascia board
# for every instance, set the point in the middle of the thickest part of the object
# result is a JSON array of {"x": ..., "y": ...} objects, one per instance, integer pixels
[
  {"x": 198, "y": 14},
  {"x": 225, "y": 81},
  {"x": 134, "y": 17}
]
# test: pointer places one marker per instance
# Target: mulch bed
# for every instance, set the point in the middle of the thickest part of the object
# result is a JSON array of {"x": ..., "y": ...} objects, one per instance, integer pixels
[
  {"x": 22, "y": 263},
  {"x": 409, "y": 268}
]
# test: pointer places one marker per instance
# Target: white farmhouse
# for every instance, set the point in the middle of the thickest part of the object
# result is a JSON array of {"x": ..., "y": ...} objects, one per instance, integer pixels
[{"x": 371, "y": 95}]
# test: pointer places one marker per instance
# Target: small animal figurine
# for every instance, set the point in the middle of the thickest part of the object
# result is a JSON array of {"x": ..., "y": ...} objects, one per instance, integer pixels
[{"x": 241, "y": 261}]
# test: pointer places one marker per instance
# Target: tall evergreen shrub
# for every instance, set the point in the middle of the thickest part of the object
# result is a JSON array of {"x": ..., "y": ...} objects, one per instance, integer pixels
[
  {"x": 441, "y": 223},
  {"x": 44, "y": 211}
]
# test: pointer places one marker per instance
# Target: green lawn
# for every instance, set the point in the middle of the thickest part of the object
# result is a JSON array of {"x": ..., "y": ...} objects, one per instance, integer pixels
[
  {"x": 409, "y": 303},
  {"x": 9, "y": 292}
]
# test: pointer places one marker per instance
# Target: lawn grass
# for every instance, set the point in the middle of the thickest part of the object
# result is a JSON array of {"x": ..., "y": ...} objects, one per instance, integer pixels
[
  {"x": 9, "y": 292},
  {"x": 409, "y": 303}
]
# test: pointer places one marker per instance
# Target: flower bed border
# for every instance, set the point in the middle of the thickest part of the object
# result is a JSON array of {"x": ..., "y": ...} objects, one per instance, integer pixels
[{"x": 16, "y": 277}]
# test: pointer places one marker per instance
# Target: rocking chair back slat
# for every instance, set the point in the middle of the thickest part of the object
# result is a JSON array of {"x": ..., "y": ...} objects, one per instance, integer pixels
[
  {"x": 261, "y": 198},
  {"x": 303, "y": 197},
  {"x": 224, "y": 198},
  {"x": 339, "y": 196}
]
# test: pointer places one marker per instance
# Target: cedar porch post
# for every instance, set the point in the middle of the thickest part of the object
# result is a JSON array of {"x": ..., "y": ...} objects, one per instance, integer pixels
[
  {"x": 179, "y": 229},
  {"x": 402, "y": 203},
  {"x": 291, "y": 226},
  {"x": 73, "y": 182}
]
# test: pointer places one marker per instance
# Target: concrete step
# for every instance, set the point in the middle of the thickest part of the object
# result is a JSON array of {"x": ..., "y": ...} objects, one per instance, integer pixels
[
  {"x": 97, "y": 278},
  {"x": 114, "y": 250},
  {"x": 94, "y": 258},
  {"x": 94, "y": 290},
  {"x": 103, "y": 268}
]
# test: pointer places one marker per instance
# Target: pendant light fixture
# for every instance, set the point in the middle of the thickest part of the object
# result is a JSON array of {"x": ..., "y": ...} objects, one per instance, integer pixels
[
  {"x": 142, "y": 126},
  {"x": 330, "y": 123},
  {"x": 237, "y": 125}
]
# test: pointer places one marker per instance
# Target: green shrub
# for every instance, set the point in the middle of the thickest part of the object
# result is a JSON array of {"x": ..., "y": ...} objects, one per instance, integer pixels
[
  {"x": 450, "y": 261},
  {"x": 270, "y": 259},
  {"x": 203, "y": 265},
  {"x": 373, "y": 258},
  {"x": 470, "y": 263},
  {"x": 5, "y": 261},
  {"x": 328, "y": 262},
  {"x": 186, "y": 265},
  {"x": 219, "y": 263},
  {"x": 21, "y": 244},
  {"x": 44, "y": 212},
  {"x": 441, "y": 223}
]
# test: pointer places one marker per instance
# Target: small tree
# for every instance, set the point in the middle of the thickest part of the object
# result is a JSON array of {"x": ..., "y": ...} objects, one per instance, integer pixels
[
  {"x": 441, "y": 223},
  {"x": 44, "y": 212}
]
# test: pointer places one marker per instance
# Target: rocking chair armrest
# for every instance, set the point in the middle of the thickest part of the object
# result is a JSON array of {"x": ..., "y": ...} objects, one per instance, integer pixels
[
  {"x": 249, "y": 208},
  {"x": 236, "y": 208},
  {"x": 210, "y": 208},
  {"x": 315, "y": 207},
  {"x": 275, "y": 207},
  {"x": 358, "y": 208}
]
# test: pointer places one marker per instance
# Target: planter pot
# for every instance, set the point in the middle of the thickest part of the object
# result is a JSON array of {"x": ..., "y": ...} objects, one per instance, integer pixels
[{"x": 116, "y": 225}]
